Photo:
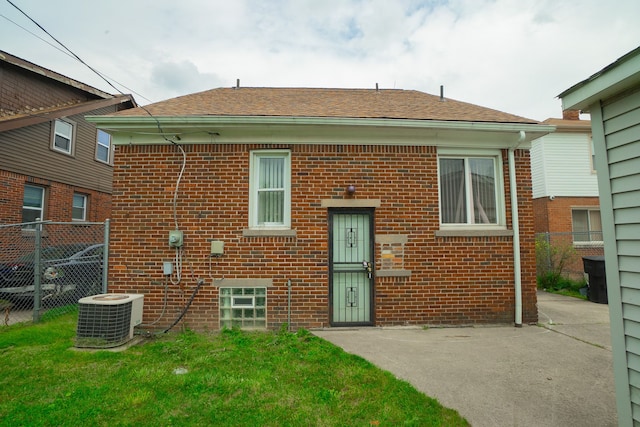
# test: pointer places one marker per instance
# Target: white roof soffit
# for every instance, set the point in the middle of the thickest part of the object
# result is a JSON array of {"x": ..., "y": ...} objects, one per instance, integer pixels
[{"x": 314, "y": 130}]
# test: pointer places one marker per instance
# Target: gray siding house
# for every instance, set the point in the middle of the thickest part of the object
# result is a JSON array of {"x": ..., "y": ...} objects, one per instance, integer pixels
[{"x": 612, "y": 96}]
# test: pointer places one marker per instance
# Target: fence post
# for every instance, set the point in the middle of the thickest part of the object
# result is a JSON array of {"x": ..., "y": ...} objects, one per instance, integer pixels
[
  {"x": 547, "y": 238},
  {"x": 37, "y": 268},
  {"x": 105, "y": 257}
]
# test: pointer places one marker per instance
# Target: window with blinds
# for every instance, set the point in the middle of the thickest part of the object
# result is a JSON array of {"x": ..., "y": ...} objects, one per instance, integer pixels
[
  {"x": 469, "y": 190},
  {"x": 63, "y": 136},
  {"x": 32, "y": 204},
  {"x": 587, "y": 225},
  {"x": 79, "y": 208},
  {"x": 270, "y": 194}
]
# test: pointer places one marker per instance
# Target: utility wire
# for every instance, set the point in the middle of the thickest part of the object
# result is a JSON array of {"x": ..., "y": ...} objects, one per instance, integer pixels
[
  {"x": 184, "y": 156},
  {"x": 72, "y": 55},
  {"x": 65, "y": 47}
]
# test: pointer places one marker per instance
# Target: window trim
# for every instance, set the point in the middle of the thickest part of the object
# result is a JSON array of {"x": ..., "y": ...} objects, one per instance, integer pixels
[
  {"x": 255, "y": 155},
  {"x": 592, "y": 155},
  {"x": 586, "y": 243},
  {"x": 42, "y": 201},
  {"x": 227, "y": 313},
  {"x": 109, "y": 160},
  {"x": 85, "y": 199},
  {"x": 467, "y": 153},
  {"x": 71, "y": 137}
]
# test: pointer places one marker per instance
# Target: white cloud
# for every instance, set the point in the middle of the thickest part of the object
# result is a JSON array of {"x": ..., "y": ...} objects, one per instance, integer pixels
[
  {"x": 181, "y": 78},
  {"x": 512, "y": 55}
]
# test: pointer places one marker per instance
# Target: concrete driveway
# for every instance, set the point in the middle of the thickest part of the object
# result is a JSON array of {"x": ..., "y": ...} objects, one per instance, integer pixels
[{"x": 556, "y": 374}]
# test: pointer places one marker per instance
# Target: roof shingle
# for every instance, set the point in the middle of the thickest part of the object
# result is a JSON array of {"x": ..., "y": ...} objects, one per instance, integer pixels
[{"x": 318, "y": 102}]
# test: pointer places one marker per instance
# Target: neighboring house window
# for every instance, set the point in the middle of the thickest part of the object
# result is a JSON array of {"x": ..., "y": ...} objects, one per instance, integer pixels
[
  {"x": 243, "y": 308},
  {"x": 470, "y": 191},
  {"x": 63, "y": 136},
  {"x": 593, "y": 154},
  {"x": 79, "y": 210},
  {"x": 32, "y": 204},
  {"x": 587, "y": 225},
  {"x": 270, "y": 192},
  {"x": 103, "y": 147}
]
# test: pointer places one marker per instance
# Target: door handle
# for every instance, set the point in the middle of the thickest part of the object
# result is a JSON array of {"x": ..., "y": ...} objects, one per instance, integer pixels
[{"x": 367, "y": 266}]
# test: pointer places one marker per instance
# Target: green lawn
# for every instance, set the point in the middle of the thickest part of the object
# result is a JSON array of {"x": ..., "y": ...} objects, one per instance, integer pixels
[{"x": 232, "y": 378}]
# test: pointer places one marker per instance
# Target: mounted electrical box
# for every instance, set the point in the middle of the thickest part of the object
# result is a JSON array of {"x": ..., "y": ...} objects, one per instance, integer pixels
[
  {"x": 167, "y": 268},
  {"x": 217, "y": 248},
  {"x": 175, "y": 238}
]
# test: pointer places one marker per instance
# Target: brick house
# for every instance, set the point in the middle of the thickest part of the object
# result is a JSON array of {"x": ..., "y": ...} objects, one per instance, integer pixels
[
  {"x": 256, "y": 207},
  {"x": 565, "y": 189},
  {"x": 54, "y": 165}
]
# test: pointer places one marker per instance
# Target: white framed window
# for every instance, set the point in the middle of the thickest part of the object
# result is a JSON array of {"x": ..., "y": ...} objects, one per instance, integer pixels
[
  {"x": 586, "y": 226},
  {"x": 270, "y": 189},
  {"x": 243, "y": 308},
  {"x": 592, "y": 149},
  {"x": 79, "y": 208},
  {"x": 471, "y": 189},
  {"x": 32, "y": 204},
  {"x": 103, "y": 147},
  {"x": 63, "y": 136}
]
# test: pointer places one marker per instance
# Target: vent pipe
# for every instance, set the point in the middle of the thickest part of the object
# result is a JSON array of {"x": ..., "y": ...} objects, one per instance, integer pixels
[
  {"x": 441, "y": 93},
  {"x": 376, "y": 87},
  {"x": 237, "y": 83}
]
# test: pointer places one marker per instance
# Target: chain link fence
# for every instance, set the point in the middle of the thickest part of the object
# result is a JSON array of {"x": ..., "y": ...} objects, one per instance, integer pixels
[
  {"x": 48, "y": 265},
  {"x": 564, "y": 251}
]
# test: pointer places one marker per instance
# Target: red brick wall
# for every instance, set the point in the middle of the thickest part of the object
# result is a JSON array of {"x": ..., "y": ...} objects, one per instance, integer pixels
[
  {"x": 554, "y": 217},
  {"x": 541, "y": 215},
  {"x": 454, "y": 280},
  {"x": 58, "y": 199}
]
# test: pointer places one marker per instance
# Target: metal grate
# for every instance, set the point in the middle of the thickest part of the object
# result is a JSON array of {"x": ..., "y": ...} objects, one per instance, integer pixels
[{"x": 103, "y": 326}]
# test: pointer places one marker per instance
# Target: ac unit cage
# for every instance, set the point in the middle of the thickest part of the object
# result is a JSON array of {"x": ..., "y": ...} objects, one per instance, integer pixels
[{"x": 107, "y": 320}]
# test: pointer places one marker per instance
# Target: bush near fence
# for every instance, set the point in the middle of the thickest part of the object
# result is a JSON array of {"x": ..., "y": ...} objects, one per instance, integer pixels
[{"x": 550, "y": 247}]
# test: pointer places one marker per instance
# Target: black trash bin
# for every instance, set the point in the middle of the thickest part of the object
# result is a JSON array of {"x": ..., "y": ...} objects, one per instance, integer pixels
[{"x": 597, "y": 279}]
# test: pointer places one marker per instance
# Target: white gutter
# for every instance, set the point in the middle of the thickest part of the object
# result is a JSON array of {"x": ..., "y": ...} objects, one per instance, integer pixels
[
  {"x": 517, "y": 270},
  {"x": 123, "y": 123}
]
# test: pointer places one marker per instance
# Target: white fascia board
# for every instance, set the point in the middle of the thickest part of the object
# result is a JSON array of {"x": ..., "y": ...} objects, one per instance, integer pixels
[
  {"x": 313, "y": 130},
  {"x": 615, "y": 78}
]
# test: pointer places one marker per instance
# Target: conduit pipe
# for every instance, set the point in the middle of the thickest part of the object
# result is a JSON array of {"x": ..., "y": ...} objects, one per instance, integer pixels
[{"x": 516, "y": 231}]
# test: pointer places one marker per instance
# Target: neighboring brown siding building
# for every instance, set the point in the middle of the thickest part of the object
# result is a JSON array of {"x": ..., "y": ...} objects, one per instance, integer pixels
[
  {"x": 323, "y": 207},
  {"x": 54, "y": 165}
]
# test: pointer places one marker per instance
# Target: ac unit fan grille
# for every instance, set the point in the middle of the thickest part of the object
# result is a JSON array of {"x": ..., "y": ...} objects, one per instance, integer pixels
[{"x": 103, "y": 326}]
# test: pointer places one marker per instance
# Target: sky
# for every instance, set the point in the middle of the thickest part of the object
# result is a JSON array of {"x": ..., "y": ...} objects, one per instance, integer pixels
[{"x": 514, "y": 56}]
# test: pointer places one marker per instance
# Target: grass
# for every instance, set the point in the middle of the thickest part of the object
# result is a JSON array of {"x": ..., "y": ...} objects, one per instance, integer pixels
[
  {"x": 561, "y": 285},
  {"x": 230, "y": 378}
]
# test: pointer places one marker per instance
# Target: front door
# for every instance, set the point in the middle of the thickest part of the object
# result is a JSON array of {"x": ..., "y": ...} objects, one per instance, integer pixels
[{"x": 351, "y": 267}]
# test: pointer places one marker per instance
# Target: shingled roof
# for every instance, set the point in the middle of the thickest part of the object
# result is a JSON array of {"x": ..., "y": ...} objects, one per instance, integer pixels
[{"x": 316, "y": 102}]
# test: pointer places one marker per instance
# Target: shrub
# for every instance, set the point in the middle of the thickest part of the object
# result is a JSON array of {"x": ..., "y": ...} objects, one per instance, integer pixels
[{"x": 552, "y": 258}]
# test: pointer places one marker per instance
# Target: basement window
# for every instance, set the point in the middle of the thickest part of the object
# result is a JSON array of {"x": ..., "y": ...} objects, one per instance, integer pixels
[{"x": 243, "y": 308}]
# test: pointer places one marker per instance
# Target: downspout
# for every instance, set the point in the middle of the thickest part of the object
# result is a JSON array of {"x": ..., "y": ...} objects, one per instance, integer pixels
[
  {"x": 516, "y": 231},
  {"x": 289, "y": 305}
]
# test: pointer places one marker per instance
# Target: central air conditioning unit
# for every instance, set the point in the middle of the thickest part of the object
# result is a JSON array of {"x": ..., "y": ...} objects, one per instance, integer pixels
[{"x": 107, "y": 320}]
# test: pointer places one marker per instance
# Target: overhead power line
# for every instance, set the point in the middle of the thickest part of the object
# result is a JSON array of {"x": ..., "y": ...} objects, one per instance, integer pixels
[{"x": 68, "y": 51}]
